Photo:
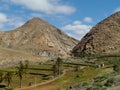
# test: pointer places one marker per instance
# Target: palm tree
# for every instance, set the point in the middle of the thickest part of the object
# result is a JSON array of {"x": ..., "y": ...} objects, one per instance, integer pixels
[
  {"x": 59, "y": 63},
  {"x": 8, "y": 78},
  {"x": 54, "y": 69},
  {"x": 20, "y": 72}
]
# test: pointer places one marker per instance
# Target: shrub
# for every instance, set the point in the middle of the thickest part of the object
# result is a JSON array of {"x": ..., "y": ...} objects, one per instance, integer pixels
[
  {"x": 116, "y": 68},
  {"x": 109, "y": 82},
  {"x": 85, "y": 84},
  {"x": 100, "y": 78}
]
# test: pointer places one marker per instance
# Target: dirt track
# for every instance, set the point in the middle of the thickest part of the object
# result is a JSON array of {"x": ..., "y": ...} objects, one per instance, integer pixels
[{"x": 43, "y": 85}]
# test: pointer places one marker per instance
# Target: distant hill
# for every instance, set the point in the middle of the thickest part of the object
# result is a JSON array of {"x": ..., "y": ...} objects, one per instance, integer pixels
[
  {"x": 38, "y": 37},
  {"x": 102, "y": 39}
]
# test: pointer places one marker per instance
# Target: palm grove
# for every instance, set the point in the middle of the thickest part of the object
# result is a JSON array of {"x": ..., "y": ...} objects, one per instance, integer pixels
[{"x": 21, "y": 71}]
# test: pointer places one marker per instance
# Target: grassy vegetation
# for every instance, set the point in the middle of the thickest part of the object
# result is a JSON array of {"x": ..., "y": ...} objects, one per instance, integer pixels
[
  {"x": 74, "y": 74},
  {"x": 34, "y": 74},
  {"x": 73, "y": 77}
]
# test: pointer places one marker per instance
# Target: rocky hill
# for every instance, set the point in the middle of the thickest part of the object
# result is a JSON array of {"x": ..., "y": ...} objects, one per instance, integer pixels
[
  {"x": 102, "y": 39},
  {"x": 38, "y": 37}
]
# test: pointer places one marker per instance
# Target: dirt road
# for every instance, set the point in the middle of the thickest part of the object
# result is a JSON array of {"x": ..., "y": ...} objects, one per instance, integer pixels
[{"x": 42, "y": 86}]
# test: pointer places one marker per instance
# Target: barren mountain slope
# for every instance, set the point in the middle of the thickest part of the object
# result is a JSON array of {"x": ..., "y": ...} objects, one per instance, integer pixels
[
  {"x": 39, "y": 38},
  {"x": 103, "y": 39}
]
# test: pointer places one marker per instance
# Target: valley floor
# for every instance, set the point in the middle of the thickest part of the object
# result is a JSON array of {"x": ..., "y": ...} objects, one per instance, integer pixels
[{"x": 78, "y": 76}]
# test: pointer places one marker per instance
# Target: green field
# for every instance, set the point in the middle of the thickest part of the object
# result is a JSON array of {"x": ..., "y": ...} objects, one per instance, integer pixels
[{"x": 73, "y": 73}]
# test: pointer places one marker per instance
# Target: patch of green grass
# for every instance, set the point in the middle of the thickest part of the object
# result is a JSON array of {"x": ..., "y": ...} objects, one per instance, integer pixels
[
  {"x": 37, "y": 73},
  {"x": 42, "y": 66},
  {"x": 2, "y": 88},
  {"x": 34, "y": 74},
  {"x": 70, "y": 77},
  {"x": 8, "y": 69}
]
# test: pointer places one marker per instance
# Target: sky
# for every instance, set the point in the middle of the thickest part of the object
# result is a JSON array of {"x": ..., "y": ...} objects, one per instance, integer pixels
[{"x": 74, "y": 17}]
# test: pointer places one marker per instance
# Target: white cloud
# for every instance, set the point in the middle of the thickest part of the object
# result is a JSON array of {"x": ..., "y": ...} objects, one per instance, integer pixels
[
  {"x": 77, "y": 29},
  {"x": 77, "y": 22},
  {"x": 88, "y": 19},
  {"x": 117, "y": 9},
  {"x": 46, "y": 6},
  {"x": 3, "y": 19},
  {"x": 15, "y": 21},
  {"x": 10, "y": 21}
]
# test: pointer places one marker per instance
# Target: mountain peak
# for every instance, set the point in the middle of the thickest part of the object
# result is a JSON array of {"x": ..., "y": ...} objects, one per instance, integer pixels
[
  {"x": 40, "y": 38},
  {"x": 35, "y": 20}
]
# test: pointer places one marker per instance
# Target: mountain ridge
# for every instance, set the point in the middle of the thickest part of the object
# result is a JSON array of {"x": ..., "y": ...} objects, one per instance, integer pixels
[{"x": 102, "y": 39}]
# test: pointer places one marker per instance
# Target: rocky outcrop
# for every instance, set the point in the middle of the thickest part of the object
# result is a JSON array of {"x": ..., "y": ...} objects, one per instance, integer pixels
[
  {"x": 102, "y": 39},
  {"x": 38, "y": 37}
]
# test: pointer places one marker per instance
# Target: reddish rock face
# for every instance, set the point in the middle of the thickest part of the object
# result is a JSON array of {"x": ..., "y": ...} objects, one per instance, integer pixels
[
  {"x": 102, "y": 39},
  {"x": 38, "y": 37}
]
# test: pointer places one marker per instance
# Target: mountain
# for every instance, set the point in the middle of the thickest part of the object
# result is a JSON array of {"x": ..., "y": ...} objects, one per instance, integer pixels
[
  {"x": 38, "y": 37},
  {"x": 102, "y": 39}
]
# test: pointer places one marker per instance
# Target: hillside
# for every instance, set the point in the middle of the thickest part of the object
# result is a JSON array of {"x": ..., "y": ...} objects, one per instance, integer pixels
[
  {"x": 38, "y": 37},
  {"x": 102, "y": 39},
  {"x": 9, "y": 57}
]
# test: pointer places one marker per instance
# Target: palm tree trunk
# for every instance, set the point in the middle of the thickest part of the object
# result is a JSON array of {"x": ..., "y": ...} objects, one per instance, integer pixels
[
  {"x": 8, "y": 83},
  {"x": 59, "y": 71},
  {"x": 20, "y": 83}
]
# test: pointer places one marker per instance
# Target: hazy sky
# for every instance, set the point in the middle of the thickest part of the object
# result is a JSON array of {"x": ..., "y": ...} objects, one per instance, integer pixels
[{"x": 75, "y": 17}]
